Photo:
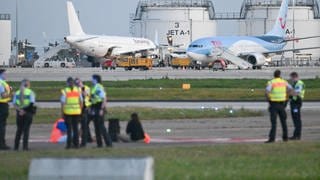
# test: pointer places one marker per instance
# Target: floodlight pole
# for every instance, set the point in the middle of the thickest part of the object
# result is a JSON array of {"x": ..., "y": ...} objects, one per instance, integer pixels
[
  {"x": 294, "y": 30},
  {"x": 17, "y": 34}
]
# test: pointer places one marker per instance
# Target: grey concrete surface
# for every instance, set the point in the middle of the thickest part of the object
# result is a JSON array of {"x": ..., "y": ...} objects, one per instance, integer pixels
[
  {"x": 54, "y": 74},
  {"x": 92, "y": 168},
  {"x": 191, "y": 105}
]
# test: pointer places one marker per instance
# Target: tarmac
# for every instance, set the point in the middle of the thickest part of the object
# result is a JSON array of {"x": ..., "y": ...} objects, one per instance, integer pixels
[
  {"x": 60, "y": 74},
  {"x": 191, "y": 132},
  {"x": 251, "y": 105}
]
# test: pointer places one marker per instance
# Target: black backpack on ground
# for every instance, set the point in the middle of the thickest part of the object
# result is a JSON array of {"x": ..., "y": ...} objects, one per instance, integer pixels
[{"x": 114, "y": 129}]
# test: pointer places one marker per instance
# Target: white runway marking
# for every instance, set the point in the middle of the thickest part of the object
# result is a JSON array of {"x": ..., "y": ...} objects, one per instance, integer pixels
[
  {"x": 205, "y": 140},
  {"x": 185, "y": 140}
]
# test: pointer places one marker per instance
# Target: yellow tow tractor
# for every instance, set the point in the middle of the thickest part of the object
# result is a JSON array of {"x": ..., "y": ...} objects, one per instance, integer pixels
[
  {"x": 129, "y": 63},
  {"x": 181, "y": 62}
]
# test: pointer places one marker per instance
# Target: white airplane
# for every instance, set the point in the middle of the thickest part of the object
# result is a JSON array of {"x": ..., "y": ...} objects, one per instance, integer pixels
[
  {"x": 100, "y": 47},
  {"x": 245, "y": 51}
]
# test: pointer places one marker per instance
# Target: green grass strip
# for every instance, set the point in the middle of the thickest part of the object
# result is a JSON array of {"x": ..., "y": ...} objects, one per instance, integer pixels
[
  {"x": 293, "y": 160},
  {"x": 166, "y": 89}
]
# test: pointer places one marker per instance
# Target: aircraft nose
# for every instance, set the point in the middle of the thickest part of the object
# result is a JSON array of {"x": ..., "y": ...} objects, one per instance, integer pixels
[
  {"x": 196, "y": 56},
  {"x": 192, "y": 55}
]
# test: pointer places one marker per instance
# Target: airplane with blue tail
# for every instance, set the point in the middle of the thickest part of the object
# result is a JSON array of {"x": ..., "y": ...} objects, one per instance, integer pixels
[{"x": 246, "y": 51}]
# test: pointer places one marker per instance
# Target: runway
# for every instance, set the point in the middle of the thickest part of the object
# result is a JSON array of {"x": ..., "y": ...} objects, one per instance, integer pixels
[
  {"x": 191, "y": 132},
  {"x": 60, "y": 74},
  {"x": 190, "y": 105}
]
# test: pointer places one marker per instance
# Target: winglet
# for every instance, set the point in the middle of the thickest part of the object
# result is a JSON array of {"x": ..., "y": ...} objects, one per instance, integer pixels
[
  {"x": 74, "y": 23},
  {"x": 279, "y": 29}
]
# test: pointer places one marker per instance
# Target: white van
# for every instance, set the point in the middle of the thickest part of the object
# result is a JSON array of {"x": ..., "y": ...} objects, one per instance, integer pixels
[{"x": 56, "y": 62}]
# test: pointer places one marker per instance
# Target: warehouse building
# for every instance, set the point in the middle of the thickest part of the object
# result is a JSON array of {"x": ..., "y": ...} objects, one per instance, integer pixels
[
  {"x": 184, "y": 21},
  {"x": 5, "y": 39}
]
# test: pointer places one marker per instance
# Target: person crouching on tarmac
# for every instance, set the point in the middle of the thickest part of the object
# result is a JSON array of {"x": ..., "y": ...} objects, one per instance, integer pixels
[
  {"x": 71, "y": 106},
  {"x": 85, "y": 92},
  {"x": 134, "y": 130},
  {"x": 23, "y": 101},
  {"x": 98, "y": 100}
]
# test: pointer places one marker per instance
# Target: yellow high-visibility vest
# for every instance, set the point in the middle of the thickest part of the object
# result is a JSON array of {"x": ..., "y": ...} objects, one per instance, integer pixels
[
  {"x": 7, "y": 90},
  {"x": 302, "y": 92},
  {"x": 72, "y": 104},
  {"x": 279, "y": 90},
  {"x": 26, "y": 100},
  {"x": 95, "y": 98},
  {"x": 87, "y": 101}
]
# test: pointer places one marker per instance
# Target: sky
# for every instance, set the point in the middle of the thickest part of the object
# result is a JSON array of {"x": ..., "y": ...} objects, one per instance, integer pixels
[{"x": 46, "y": 20}]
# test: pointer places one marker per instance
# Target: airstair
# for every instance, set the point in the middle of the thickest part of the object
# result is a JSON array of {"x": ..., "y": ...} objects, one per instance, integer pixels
[
  {"x": 53, "y": 51},
  {"x": 226, "y": 54}
]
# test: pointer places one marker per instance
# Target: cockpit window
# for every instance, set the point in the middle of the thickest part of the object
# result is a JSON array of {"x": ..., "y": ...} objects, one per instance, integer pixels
[{"x": 195, "y": 46}]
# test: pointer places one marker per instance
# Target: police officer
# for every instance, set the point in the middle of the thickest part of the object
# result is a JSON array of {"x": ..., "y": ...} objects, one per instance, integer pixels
[
  {"x": 85, "y": 92},
  {"x": 71, "y": 106},
  {"x": 276, "y": 93},
  {"x": 5, "y": 93},
  {"x": 98, "y": 100},
  {"x": 23, "y": 101},
  {"x": 296, "y": 104}
]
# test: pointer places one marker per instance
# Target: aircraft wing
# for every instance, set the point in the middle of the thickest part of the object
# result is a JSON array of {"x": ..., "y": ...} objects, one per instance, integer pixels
[
  {"x": 298, "y": 39},
  {"x": 117, "y": 50},
  {"x": 289, "y": 50},
  {"x": 167, "y": 45}
]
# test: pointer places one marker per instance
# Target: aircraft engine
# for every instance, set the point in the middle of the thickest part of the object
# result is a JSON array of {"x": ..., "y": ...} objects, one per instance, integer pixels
[{"x": 256, "y": 59}]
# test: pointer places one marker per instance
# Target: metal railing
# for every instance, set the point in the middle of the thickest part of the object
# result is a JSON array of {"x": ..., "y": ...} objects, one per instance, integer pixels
[
  {"x": 175, "y": 3},
  {"x": 246, "y": 5},
  {"x": 143, "y": 4},
  {"x": 5, "y": 17},
  {"x": 228, "y": 16},
  {"x": 314, "y": 4}
]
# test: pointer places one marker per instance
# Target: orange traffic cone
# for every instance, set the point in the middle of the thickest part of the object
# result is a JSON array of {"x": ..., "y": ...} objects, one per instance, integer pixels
[
  {"x": 147, "y": 138},
  {"x": 56, "y": 133}
]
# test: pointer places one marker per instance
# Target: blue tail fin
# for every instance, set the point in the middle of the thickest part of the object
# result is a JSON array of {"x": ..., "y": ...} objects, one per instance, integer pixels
[{"x": 279, "y": 29}]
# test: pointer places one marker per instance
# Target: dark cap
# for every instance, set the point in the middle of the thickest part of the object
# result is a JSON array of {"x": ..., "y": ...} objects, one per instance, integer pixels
[
  {"x": 97, "y": 78},
  {"x": 2, "y": 71},
  {"x": 70, "y": 80},
  {"x": 294, "y": 74}
]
